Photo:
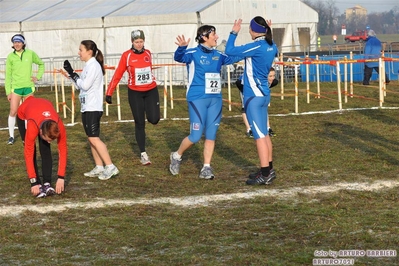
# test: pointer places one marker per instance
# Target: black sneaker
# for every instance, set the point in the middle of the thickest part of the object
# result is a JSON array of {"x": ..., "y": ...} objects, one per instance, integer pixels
[
  {"x": 261, "y": 180},
  {"x": 249, "y": 134},
  {"x": 255, "y": 175},
  {"x": 271, "y": 132},
  {"x": 11, "y": 141},
  {"x": 42, "y": 193}
]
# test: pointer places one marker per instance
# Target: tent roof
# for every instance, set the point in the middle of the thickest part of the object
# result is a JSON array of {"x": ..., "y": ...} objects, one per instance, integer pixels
[
  {"x": 49, "y": 10},
  {"x": 161, "y": 7}
]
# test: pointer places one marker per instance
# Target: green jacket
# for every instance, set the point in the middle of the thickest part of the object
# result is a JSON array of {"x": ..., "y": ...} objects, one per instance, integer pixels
[{"x": 19, "y": 70}]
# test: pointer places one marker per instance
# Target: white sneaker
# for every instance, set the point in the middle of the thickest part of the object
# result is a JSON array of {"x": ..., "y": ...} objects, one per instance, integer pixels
[
  {"x": 144, "y": 159},
  {"x": 95, "y": 172},
  {"x": 108, "y": 173}
]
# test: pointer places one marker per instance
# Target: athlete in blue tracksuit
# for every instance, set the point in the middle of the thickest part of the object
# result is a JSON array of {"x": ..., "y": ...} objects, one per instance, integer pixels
[
  {"x": 259, "y": 56},
  {"x": 203, "y": 95}
]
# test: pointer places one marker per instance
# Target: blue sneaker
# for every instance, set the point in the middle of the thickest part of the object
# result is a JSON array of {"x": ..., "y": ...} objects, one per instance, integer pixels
[{"x": 42, "y": 192}]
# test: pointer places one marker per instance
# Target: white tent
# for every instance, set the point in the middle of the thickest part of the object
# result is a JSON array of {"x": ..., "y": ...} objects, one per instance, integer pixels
[{"x": 54, "y": 28}]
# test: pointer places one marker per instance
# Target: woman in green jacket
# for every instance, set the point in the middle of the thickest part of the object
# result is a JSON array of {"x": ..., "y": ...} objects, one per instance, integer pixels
[{"x": 20, "y": 81}]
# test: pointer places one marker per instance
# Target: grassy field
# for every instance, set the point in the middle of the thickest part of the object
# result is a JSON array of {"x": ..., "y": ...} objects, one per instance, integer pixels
[{"x": 336, "y": 189}]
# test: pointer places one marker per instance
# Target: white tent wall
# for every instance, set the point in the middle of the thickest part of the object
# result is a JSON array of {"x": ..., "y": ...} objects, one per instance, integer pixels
[
  {"x": 55, "y": 28},
  {"x": 7, "y": 30},
  {"x": 223, "y": 13},
  {"x": 160, "y": 31}
]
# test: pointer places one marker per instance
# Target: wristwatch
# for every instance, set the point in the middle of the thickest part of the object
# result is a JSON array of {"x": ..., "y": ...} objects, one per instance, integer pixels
[{"x": 32, "y": 180}]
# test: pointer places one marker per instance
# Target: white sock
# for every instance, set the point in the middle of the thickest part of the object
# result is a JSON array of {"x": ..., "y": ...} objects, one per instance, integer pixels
[
  {"x": 110, "y": 166},
  {"x": 11, "y": 125},
  {"x": 205, "y": 165},
  {"x": 101, "y": 167},
  {"x": 176, "y": 156}
]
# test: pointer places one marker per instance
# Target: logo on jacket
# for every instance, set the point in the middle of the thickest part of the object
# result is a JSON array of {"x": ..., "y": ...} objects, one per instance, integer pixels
[
  {"x": 46, "y": 113},
  {"x": 205, "y": 62},
  {"x": 146, "y": 59}
]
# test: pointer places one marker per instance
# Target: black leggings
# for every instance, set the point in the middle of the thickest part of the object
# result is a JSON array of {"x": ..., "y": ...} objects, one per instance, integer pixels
[
  {"x": 144, "y": 104},
  {"x": 45, "y": 154}
]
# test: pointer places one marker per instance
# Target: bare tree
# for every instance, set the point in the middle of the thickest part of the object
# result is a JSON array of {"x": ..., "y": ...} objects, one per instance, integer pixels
[{"x": 328, "y": 12}]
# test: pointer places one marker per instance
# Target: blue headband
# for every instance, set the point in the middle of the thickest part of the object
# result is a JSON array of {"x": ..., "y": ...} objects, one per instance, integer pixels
[
  {"x": 18, "y": 38},
  {"x": 257, "y": 27}
]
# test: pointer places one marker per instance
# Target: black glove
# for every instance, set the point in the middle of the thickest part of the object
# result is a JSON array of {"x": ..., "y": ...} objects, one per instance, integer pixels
[
  {"x": 74, "y": 76},
  {"x": 108, "y": 99},
  {"x": 274, "y": 83},
  {"x": 68, "y": 68}
]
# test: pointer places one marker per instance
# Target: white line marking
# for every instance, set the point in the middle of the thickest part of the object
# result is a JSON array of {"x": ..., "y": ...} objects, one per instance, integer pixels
[
  {"x": 200, "y": 201},
  {"x": 235, "y": 116}
]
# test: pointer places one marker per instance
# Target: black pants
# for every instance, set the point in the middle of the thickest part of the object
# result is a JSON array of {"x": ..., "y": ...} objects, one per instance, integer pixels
[
  {"x": 368, "y": 71},
  {"x": 45, "y": 153},
  {"x": 144, "y": 104}
]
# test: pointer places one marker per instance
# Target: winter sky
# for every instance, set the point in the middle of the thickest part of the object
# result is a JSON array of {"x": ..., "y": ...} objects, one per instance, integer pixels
[{"x": 370, "y": 5}]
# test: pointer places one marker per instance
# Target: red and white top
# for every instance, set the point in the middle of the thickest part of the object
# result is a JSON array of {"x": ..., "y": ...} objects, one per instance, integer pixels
[
  {"x": 139, "y": 68},
  {"x": 35, "y": 111}
]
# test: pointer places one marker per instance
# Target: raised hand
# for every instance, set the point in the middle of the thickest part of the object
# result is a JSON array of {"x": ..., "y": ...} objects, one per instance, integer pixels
[
  {"x": 181, "y": 41},
  {"x": 237, "y": 25},
  {"x": 68, "y": 68}
]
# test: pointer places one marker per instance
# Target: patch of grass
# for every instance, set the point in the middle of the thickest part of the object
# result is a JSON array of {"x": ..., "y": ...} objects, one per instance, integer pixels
[{"x": 314, "y": 149}]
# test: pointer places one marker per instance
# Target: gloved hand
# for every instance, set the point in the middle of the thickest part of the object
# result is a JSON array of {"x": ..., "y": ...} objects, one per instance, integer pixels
[
  {"x": 74, "y": 76},
  {"x": 68, "y": 68},
  {"x": 108, "y": 99},
  {"x": 274, "y": 83}
]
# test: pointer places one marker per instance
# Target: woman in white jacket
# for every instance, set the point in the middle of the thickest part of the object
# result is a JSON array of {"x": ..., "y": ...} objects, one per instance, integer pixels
[{"x": 91, "y": 86}]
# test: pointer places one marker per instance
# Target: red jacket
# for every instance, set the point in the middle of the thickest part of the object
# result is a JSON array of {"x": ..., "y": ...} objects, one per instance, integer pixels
[
  {"x": 139, "y": 68},
  {"x": 35, "y": 111}
]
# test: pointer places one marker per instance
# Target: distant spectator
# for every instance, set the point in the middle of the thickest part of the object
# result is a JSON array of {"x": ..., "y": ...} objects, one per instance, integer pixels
[
  {"x": 222, "y": 46},
  {"x": 372, "y": 50}
]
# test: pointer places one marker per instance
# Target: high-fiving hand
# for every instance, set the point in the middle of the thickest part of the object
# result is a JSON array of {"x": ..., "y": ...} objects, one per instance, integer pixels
[
  {"x": 181, "y": 41},
  {"x": 237, "y": 25}
]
